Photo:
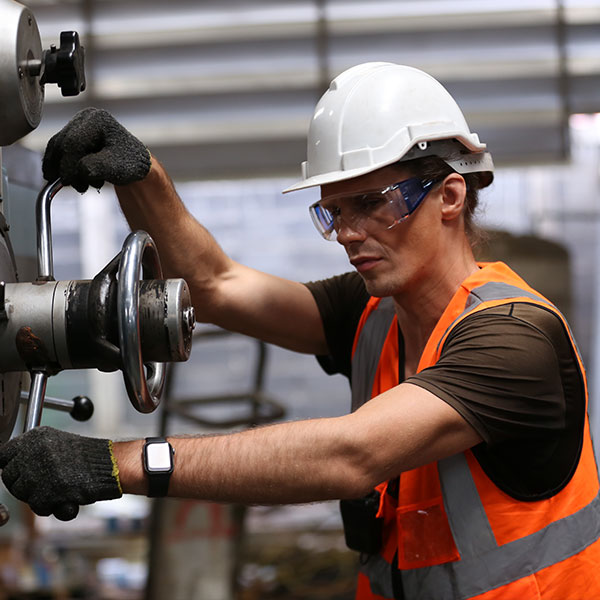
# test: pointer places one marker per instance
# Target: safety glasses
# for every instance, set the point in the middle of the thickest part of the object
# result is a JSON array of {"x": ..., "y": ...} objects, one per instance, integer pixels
[{"x": 370, "y": 211}]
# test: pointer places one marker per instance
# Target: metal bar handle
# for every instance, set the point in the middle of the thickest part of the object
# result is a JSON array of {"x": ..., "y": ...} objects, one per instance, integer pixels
[
  {"x": 37, "y": 391},
  {"x": 44, "y": 230}
]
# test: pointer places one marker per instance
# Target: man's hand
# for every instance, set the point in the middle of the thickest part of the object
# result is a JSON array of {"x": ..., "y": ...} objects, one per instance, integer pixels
[
  {"x": 93, "y": 148},
  {"x": 56, "y": 472}
]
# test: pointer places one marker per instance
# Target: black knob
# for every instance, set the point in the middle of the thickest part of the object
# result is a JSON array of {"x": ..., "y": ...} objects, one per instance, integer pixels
[
  {"x": 65, "y": 65},
  {"x": 83, "y": 408}
]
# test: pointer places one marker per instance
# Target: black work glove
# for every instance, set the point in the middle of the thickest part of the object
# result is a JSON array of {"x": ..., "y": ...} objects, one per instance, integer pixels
[
  {"x": 55, "y": 471},
  {"x": 93, "y": 148}
]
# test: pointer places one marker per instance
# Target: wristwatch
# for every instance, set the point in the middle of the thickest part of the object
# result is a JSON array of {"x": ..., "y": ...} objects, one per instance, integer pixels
[{"x": 157, "y": 458}]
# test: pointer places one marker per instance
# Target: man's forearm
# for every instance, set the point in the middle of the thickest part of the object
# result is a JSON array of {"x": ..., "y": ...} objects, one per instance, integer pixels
[
  {"x": 183, "y": 244},
  {"x": 301, "y": 461},
  {"x": 224, "y": 292}
]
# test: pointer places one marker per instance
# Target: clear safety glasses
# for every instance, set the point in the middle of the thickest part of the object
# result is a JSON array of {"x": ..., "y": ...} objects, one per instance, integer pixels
[{"x": 370, "y": 211}]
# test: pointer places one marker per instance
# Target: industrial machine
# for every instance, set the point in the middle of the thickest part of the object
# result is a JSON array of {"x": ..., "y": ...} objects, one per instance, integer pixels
[{"x": 127, "y": 317}]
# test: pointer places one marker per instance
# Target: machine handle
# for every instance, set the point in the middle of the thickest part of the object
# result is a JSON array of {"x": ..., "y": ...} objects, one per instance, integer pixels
[
  {"x": 35, "y": 403},
  {"x": 44, "y": 230},
  {"x": 80, "y": 408}
]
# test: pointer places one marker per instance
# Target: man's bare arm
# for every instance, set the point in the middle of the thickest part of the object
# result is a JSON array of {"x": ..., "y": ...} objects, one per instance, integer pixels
[
  {"x": 305, "y": 461},
  {"x": 224, "y": 292}
]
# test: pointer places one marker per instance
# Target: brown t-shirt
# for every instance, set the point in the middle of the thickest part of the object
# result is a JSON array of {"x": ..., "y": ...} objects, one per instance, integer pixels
[{"x": 510, "y": 371}]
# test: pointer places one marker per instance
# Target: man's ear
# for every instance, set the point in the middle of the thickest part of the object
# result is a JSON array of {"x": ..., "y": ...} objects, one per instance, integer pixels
[{"x": 453, "y": 191}]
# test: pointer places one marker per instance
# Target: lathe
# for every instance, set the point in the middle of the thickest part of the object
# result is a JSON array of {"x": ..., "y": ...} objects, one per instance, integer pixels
[{"x": 127, "y": 317}]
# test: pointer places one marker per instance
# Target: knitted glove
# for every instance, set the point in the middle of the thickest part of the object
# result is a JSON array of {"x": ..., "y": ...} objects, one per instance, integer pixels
[
  {"x": 55, "y": 471},
  {"x": 93, "y": 148}
]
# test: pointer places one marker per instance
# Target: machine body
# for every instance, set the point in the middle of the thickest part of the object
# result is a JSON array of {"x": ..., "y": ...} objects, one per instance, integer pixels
[
  {"x": 25, "y": 68},
  {"x": 57, "y": 325},
  {"x": 128, "y": 317}
]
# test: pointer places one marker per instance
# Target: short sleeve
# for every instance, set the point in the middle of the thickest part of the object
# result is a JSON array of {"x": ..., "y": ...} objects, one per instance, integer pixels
[
  {"x": 341, "y": 300},
  {"x": 511, "y": 372}
]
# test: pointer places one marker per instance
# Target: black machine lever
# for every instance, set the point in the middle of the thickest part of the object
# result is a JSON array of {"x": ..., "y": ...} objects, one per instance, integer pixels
[{"x": 80, "y": 408}]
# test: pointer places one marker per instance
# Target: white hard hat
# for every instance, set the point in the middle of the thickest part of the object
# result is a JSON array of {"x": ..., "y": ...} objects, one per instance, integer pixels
[{"x": 379, "y": 113}]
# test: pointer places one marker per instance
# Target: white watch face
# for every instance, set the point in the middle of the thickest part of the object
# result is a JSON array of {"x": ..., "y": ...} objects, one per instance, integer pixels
[{"x": 159, "y": 456}]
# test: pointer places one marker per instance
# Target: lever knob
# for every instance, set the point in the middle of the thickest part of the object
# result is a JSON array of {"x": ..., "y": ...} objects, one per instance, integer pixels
[
  {"x": 83, "y": 408},
  {"x": 65, "y": 65}
]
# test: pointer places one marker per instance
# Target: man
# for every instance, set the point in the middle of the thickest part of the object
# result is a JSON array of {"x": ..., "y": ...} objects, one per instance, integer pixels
[{"x": 466, "y": 468}]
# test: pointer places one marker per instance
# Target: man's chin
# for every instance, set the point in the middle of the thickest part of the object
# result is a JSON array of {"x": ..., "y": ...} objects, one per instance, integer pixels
[{"x": 381, "y": 289}]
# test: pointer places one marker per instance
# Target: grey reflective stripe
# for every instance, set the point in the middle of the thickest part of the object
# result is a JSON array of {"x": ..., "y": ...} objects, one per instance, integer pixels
[
  {"x": 368, "y": 351},
  {"x": 474, "y": 575},
  {"x": 484, "y": 565},
  {"x": 468, "y": 521},
  {"x": 380, "y": 576},
  {"x": 496, "y": 290},
  {"x": 493, "y": 290}
]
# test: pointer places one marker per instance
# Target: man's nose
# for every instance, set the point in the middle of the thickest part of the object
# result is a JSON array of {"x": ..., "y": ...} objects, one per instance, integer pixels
[{"x": 349, "y": 231}]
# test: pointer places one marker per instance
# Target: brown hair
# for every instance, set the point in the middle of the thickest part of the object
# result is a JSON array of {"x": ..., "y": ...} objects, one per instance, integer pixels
[{"x": 433, "y": 167}]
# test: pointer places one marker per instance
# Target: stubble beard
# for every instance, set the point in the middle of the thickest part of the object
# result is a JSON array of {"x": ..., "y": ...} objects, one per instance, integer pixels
[{"x": 382, "y": 287}]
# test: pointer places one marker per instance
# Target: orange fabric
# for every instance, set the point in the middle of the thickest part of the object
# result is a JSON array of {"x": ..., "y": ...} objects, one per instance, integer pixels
[
  {"x": 512, "y": 520},
  {"x": 490, "y": 272},
  {"x": 422, "y": 534},
  {"x": 420, "y": 484},
  {"x": 523, "y": 589},
  {"x": 558, "y": 580}
]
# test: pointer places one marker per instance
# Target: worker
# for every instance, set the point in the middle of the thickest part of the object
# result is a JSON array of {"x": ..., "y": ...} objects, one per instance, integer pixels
[{"x": 465, "y": 468}]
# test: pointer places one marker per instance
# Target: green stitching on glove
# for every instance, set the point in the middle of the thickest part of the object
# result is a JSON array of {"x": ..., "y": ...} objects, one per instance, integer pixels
[{"x": 115, "y": 469}]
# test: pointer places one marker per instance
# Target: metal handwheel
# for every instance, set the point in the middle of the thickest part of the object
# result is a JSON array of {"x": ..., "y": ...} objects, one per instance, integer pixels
[
  {"x": 138, "y": 251},
  {"x": 55, "y": 325}
]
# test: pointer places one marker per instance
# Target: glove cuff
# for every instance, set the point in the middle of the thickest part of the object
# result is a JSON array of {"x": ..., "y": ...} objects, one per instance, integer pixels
[
  {"x": 115, "y": 466},
  {"x": 101, "y": 478}
]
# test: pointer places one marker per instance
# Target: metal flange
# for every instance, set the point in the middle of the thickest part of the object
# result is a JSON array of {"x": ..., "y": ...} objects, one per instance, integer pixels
[{"x": 21, "y": 94}]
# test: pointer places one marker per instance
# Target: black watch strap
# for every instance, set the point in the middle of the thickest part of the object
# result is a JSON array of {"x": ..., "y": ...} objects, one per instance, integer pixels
[{"x": 158, "y": 472}]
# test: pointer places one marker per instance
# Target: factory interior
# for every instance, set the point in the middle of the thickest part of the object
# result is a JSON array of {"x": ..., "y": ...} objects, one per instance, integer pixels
[{"x": 222, "y": 93}]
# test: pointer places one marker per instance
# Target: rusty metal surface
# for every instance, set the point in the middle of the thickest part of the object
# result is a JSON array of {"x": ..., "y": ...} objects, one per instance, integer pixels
[{"x": 10, "y": 383}]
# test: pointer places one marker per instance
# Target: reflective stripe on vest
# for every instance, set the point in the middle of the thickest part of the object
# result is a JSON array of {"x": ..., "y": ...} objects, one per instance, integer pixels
[
  {"x": 368, "y": 350},
  {"x": 495, "y": 290},
  {"x": 483, "y": 565},
  {"x": 379, "y": 573}
]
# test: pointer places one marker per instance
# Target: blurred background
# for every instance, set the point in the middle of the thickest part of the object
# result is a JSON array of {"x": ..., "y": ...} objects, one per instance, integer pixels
[{"x": 222, "y": 93}]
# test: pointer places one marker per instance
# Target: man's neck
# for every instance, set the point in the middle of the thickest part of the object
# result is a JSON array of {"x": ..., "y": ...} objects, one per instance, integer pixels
[{"x": 420, "y": 308}]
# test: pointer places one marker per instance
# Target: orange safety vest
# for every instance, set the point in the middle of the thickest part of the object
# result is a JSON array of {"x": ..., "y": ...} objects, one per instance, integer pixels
[{"x": 449, "y": 532}]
